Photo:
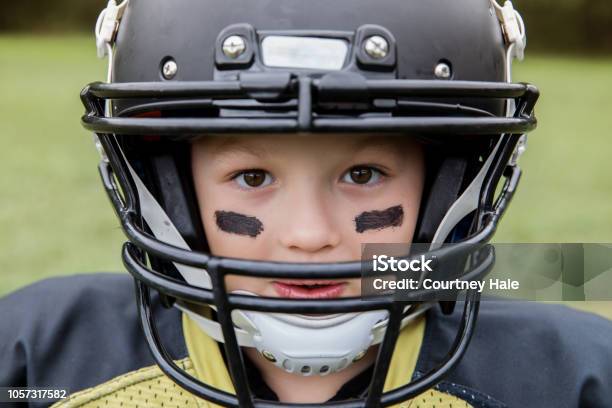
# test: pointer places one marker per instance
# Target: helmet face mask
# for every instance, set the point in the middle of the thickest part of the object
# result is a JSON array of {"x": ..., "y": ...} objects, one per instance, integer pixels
[{"x": 437, "y": 72}]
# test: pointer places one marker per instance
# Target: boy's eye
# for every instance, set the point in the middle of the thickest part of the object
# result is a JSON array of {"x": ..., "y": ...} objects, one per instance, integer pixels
[
  {"x": 253, "y": 178},
  {"x": 362, "y": 175}
]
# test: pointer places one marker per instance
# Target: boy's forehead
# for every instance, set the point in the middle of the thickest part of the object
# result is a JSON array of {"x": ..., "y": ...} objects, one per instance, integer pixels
[{"x": 264, "y": 144}]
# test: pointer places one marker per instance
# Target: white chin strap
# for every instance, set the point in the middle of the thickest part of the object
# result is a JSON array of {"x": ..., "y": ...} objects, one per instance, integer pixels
[
  {"x": 318, "y": 344},
  {"x": 305, "y": 345}
]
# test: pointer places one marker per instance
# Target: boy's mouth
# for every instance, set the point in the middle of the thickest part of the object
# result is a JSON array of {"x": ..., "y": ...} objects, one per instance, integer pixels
[{"x": 309, "y": 289}]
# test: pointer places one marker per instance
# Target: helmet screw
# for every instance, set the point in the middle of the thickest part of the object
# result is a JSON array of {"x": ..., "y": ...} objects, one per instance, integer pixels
[
  {"x": 376, "y": 47},
  {"x": 169, "y": 69},
  {"x": 359, "y": 356},
  {"x": 234, "y": 46},
  {"x": 443, "y": 71},
  {"x": 268, "y": 356}
]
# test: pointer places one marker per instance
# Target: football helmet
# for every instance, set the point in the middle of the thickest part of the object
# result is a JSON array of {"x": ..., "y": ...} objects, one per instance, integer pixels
[{"x": 438, "y": 70}]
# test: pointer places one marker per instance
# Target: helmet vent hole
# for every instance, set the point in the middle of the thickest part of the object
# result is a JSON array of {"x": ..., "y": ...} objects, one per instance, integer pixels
[
  {"x": 324, "y": 369},
  {"x": 305, "y": 370}
]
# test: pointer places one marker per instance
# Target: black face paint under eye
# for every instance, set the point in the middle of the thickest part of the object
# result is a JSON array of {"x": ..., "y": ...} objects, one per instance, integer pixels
[
  {"x": 239, "y": 224},
  {"x": 377, "y": 220}
]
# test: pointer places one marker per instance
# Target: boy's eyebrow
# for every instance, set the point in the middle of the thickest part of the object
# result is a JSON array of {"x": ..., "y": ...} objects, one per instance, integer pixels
[{"x": 231, "y": 145}]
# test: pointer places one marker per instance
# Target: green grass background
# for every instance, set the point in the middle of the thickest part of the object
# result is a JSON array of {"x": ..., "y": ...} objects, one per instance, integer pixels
[{"x": 55, "y": 218}]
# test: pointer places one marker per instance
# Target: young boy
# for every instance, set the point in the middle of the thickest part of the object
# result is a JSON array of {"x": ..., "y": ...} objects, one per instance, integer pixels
[
  {"x": 307, "y": 198},
  {"x": 248, "y": 163}
]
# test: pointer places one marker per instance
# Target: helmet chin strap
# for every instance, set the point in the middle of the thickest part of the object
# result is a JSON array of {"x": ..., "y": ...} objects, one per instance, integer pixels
[{"x": 305, "y": 345}]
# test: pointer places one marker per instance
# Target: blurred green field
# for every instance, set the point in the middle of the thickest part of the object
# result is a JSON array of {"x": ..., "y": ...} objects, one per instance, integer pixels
[
  {"x": 55, "y": 219},
  {"x": 54, "y": 216}
]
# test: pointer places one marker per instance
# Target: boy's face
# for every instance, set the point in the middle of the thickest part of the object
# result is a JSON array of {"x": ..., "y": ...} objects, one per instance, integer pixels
[{"x": 305, "y": 198}]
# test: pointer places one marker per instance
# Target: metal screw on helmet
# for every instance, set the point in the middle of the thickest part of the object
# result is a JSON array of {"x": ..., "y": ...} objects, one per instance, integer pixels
[
  {"x": 443, "y": 71},
  {"x": 359, "y": 356},
  {"x": 234, "y": 46},
  {"x": 268, "y": 356},
  {"x": 169, "y": 69},
  {"x": 376, "y": 47}
]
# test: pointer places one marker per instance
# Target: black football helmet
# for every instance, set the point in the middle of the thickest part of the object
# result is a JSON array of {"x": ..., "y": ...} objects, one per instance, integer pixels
[{"x": 438, "y": 70}]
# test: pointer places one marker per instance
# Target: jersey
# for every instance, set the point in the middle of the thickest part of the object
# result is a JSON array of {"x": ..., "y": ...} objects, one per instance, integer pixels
[{"x": 83, "y": 334}]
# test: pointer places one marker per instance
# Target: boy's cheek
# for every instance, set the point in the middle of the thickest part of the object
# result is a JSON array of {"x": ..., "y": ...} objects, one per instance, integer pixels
[
  {"x": 390, "y": 222},
  {"x": 238, "y": 224},
  {"x": 230, "y": 245}
]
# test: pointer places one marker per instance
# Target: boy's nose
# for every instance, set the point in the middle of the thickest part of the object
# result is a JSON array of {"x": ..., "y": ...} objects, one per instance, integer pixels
[{"x": 309, "y": 228}]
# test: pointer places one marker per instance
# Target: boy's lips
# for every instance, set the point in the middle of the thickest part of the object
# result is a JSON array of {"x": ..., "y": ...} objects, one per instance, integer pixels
[{"x": 309, "y": 289}]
